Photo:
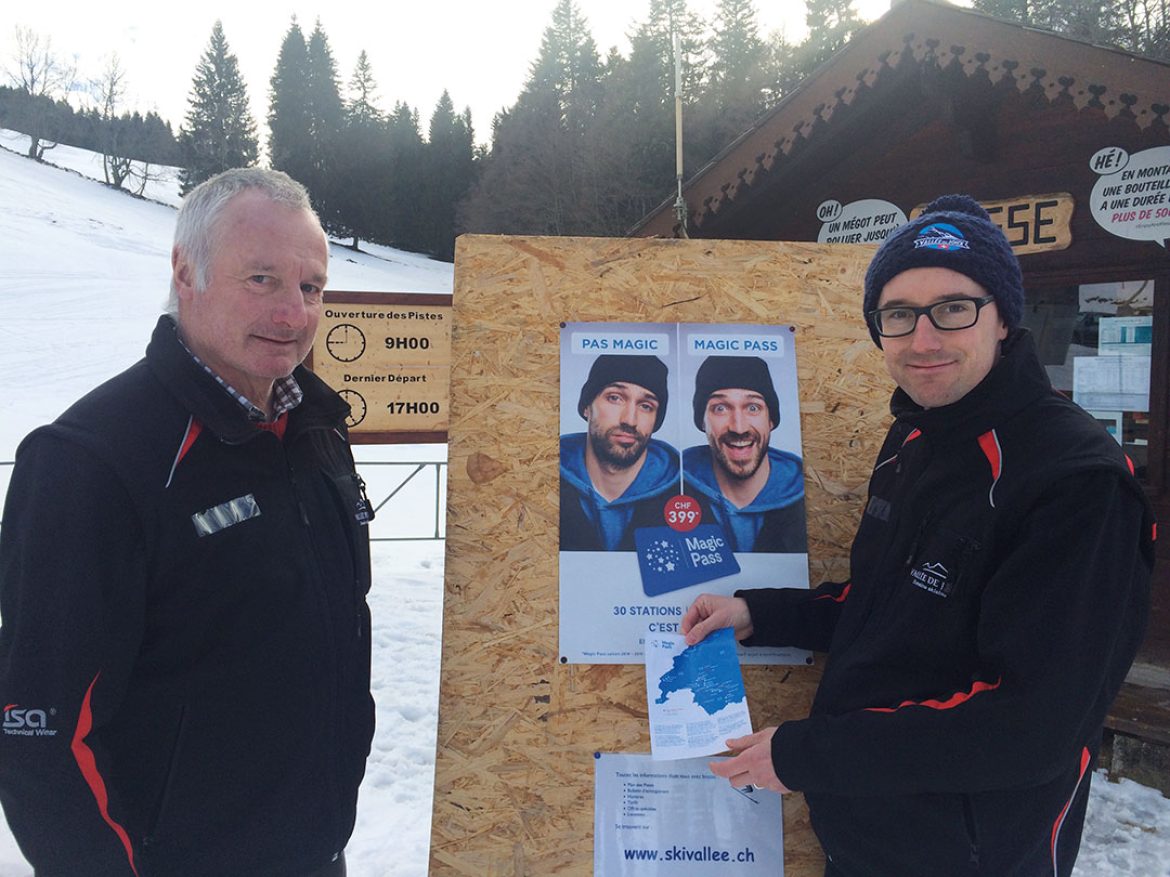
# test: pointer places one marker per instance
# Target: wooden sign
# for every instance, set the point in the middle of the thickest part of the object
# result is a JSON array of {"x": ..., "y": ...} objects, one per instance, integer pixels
[
  {"x": 1031, "y": 223},
  {"x": 389, "y": 356}
]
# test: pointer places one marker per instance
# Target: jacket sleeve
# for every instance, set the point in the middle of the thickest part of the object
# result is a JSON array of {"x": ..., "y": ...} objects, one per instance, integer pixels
[
  {"x": 72, "y": 584},
  {"x": 797, "y": 617},
  {"x": 1060, "y": 621}
]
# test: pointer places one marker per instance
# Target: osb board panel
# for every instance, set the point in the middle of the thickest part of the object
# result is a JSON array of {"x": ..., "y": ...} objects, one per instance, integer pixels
[{"x": 517, "y": 730}]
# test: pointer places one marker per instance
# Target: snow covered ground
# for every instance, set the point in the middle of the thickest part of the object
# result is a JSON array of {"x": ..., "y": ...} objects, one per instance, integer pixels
[{"x": 83, "y": 276}]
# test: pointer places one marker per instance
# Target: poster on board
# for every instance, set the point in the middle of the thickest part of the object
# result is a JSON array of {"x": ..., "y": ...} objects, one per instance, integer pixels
[
  {"x": 680, "y": 473},
  {"x": 677, "y": 819}
]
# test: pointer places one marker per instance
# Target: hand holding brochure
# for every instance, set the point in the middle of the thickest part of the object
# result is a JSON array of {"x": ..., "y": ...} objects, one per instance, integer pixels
[{"x": 695, "y": 695}]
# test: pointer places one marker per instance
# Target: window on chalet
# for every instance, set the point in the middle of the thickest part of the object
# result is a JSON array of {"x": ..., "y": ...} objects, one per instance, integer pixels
[{"x": 1095, "y": 341}]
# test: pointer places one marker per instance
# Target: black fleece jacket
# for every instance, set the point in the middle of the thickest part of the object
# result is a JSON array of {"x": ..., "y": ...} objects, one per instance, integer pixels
[
  {"x": 999, "y": 591},
  {"x": 184, "y": 656}
]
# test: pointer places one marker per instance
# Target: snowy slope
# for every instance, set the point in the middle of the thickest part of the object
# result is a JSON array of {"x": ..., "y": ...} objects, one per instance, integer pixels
[{"x": 83, "y": 275}]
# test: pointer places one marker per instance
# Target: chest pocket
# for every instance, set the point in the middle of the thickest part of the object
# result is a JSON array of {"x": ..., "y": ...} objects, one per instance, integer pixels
[{"x": 944, "y": 563}]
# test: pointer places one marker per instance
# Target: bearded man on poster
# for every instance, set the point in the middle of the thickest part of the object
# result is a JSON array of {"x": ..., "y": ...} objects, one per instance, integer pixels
[{"x": 615, "y": 477}]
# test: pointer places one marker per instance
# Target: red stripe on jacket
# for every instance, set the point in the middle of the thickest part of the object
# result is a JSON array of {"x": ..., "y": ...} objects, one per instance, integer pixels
[
  {"x": 1056, "y": 826},
  {"x": 83, "y": 755},
  {"x": 989, "y": 444},
  {"x": 193, "y": 431},
  {"x": 956, "y": 699},
  {"x": 277, "y": 426},
  {"x": 840, "y": 598}
]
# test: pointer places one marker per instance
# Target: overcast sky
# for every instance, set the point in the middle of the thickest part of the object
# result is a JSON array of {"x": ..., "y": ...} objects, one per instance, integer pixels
[{"x": 480, "y": 52}]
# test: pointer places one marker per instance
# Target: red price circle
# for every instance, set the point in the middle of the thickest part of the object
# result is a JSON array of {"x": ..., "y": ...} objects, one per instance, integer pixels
[{"x": 682, "y": 513}]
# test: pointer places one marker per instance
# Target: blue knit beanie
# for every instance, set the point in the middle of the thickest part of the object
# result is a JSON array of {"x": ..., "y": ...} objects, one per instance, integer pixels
[
  {"x": 954, "y": 232},
  {"x": 627, "y": 368}
]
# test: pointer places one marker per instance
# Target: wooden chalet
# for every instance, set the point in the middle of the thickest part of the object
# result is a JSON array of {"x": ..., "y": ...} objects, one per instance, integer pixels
[{"x": 1066, "y": 143}]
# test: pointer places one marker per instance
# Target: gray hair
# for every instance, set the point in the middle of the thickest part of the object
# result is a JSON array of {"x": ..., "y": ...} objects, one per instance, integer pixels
[{"x": 195, "y": 226}]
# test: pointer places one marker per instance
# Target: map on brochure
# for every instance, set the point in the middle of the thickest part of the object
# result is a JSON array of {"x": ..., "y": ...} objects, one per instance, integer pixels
[{"x": 695, "y": 695}]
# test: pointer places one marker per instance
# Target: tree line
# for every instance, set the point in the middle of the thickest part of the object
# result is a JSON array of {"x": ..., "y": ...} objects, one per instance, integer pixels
[
  {"x": 371, "y": 174},
  {"x": 586, "y": 148},
  {"x": 143, "y": 138}
]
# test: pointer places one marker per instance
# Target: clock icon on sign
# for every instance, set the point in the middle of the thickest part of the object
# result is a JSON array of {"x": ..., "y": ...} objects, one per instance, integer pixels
[
  {"x": 345, "y": 342},
  {"x": 357, "y": 406}
]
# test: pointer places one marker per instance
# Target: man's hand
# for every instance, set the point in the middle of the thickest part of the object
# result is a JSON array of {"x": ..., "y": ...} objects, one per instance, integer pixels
[
  {"x": 712, "y": 612},
  {"x": 752, "y": 764}
]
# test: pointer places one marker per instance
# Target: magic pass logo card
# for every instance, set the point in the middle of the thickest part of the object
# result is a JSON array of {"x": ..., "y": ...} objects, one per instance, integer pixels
[{"x": 670, "y": 560}]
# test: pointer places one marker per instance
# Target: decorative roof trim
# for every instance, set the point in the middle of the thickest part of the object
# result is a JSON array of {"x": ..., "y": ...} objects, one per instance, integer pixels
[{"x": 941, "y": 37}]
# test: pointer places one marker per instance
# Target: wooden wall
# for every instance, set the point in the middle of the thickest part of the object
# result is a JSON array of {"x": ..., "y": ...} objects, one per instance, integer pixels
[{"x": 517, "y": 730}]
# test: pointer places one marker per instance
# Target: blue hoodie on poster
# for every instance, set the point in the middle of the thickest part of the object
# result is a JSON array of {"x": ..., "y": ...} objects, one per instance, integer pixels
[
  {"x": 589, "y": 522},
  {"x": 773, "y": 521}
]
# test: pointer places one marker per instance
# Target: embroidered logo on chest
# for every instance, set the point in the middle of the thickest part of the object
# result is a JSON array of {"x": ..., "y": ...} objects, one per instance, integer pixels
[{"x": 932, "y": 577}]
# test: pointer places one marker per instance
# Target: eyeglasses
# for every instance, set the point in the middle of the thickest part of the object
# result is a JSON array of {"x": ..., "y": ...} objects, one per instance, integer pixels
[{"x": 947, "y": 316}]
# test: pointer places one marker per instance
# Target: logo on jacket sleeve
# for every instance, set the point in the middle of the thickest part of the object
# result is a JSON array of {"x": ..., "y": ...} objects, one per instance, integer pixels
[
  {"x": 932, "y": 577},
  {"x": 22, "y": 722}
]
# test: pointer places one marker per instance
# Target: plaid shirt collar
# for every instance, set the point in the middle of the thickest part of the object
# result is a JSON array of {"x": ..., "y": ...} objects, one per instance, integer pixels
[{"x": 286, "y": 392}]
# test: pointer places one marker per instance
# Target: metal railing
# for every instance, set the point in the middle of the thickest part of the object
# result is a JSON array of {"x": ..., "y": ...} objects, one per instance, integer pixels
[
  {"x": 367, "y": 468},
  {"x": 381, "y": 481}
]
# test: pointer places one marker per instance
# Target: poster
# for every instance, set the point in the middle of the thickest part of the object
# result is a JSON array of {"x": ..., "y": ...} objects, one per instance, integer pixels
[
  {"x": 677, "y": 819},
  {"x": 681, "y": 473},
  {"x": 1125, "y": 336},
  {"x": 1120, "y": 383}
]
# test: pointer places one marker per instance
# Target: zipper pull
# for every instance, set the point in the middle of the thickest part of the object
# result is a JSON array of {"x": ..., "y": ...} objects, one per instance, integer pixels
[{"x": 365, "y": 509}]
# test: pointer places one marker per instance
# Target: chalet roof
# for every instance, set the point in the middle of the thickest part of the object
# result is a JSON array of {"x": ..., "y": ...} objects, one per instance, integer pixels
[{"x": 920, "y": 34}]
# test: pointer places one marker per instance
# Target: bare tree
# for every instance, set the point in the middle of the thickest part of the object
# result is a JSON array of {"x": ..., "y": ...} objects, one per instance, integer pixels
[
  {"x": 143, "y": 172},
  {"x": 110, "y": 88},
  {"x": 44, "y": 77}
]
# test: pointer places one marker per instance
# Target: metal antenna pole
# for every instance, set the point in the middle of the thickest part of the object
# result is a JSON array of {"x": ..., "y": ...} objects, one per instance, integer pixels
[{"x": 680, "y": 205}]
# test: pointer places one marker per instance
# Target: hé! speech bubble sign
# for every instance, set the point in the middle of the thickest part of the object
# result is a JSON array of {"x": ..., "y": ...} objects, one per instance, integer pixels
[{"x": 1131, "y": 198}]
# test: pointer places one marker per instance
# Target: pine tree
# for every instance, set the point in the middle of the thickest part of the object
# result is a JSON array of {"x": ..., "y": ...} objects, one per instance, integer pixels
[
  {"x": 362, "y": 107},
  {"x": 735, "y": 96},
  {"x": 782, "y": 71},
  {"x": 1099, "y": 21},
  {"x": 325, "y": 118},
  {"x": 289, "y": 145},
  {"x": 405, "y": 153},
  {"x": 568, "y": 68},
  {"x": 362, "y": 186},
  {"x": 633, "y": 143},
  {"x": 219, "y": 132},
  {"x": 737, "y": 52},
  {"x": 1024, "y": 11},
  {"x": 831, "y": 24},
  {"x": 538, "y": 179},
  {"x": 449, "y": 171}
]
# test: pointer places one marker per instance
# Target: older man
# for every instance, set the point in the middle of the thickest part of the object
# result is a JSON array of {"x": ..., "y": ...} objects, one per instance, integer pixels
[
  {"x": 999, "y": 591},
  {"x": 183, "y": 569},
  {"x": 615, "y": 477},
  {"x": 753, "y": 491}
]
